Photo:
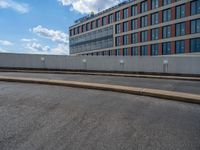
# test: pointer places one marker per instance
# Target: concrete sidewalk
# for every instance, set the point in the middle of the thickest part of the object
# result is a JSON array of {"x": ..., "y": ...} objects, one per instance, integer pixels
[{"x": 178, "y": 96}]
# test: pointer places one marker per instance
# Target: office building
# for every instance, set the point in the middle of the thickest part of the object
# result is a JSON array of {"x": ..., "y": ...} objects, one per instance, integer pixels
[{"x": 139, "y": 27}]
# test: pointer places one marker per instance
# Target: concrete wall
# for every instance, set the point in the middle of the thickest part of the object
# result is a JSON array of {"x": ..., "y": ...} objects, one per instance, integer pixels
[{"x": 181, "y": 64}]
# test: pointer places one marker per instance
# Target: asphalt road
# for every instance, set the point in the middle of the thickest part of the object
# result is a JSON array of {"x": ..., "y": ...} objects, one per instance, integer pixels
[
  {"x": 41, "y": 117},
  {"x": 162, "y": 84}
]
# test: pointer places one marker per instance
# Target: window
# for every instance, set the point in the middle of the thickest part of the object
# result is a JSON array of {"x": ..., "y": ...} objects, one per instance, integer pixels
[
  {"x": 144, "y": 6},
  {"x": 154, "y": 34},
  {"x": 78, "y": 29},
  {"x": 125, "y": 52},
  {"x": 154, "y": 49},
  {"x": 180, "y": 47},
  {"x": 83, "y": 28},
  {"x": 144, "y": 50},
  {"x": 134, "y": 51},
  {"x": 154, "y": 18},
  {"x": 71, "y": 33},
  {"x": 93, "y": 24},
  {"x": 144, "y": 36},
  {"x": 117, "y": 28},
  {"x": 166, "y": 15},
  {"x": 125, "y": 26},
  {"x": 134, "y": 10},
  {"x": 87, "y": 26},
  {"x": 110, "y": 19},
  {"x": 195, "y": 7},
  {"x": 117, "y": 16},
  {"x": 134, "y": 38},
  {"x": 125, "y": 13},
  {"x": 166, "y": 48},
  {"x": 180, "y": 29},
  {"x": 134, "y": 24},
  {"x": 144, "y": 21},
  {"x": 180, "y": 11},
  {"x": 103, "y": 21},
  {"x": 125, "y": 40},
  {"x": 118, "y": 41},
  {"x": 195, "y": 26},
  {"x": 166, "y": 2},
  {"x": 98, "y": 23},
  {"x": 195, "y": 45},
  {"x": 117, "y": 52},
  {"x": 154, "y": 4},
  {"x": 166, "y": 32}
]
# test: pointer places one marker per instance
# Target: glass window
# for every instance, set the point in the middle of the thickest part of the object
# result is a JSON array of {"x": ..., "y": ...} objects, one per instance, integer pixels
[
  {"x": 144, "y": 50},
  {"x": 118, "y": 41},
  {"x": 125, "y": 52},
  {"x": 134, "y": 38},
  {"x": 180, "y": 11},
  {"x": 117, "y": 28},
  {"x": 180, "y": 47},
  {"x": 144, "y": 21},
  {"x": 111, "y": 19},
  {"x": 87, "y": 26},
  {"x": 134, "y": 10},
  {"x": 154, "y": 49},
  {"x": 98, "y": 23},
  {"x": 166, "y": 15},
  {"x": 144, "y": 36},
  {"x": 125, "y": 26},
  {"x": 154, "y": 34},
  {"x": 195, "y": 45},
  {"x": 117, "y": 16},
  {"x": 144, "y": 6},
  {"x": 117, "y": 52},
  {"x": 134, "y": 51},
  {"x": 134, "y": 24},
  {"x": 93, "y": 24},
  {"x": 154, "y": 18},
  {"x": 125, "y": 13},
  {"x": 180, "y": 29},
  {"x": 195, "y": 7},
  {"x": 166, "y": 48},
  {"x": 83, "y": 28},
  {"x": 125, "y": 40},
  {"x": 71, "y": 33},
  {"x": 195, "y": 26},
  {"x": 166, "y": 32},
  {"x": 166, "y": 2},
  {"x": 103, "y": 21},
  {"x": 154, "y": 4}
]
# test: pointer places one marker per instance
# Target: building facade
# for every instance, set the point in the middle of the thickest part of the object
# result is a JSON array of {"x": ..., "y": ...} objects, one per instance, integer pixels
[{"x": 139, "y": 27}]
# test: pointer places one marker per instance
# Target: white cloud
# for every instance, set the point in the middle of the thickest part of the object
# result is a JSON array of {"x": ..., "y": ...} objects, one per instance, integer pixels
[
  {"x": 53, "y": 35},
  {"x": 5, "y": 43},
  {"x": 28, "y": 40},
  {"x": 19, "y": 7},
  {"x": 60, "y": 38},
  {"x": 88, "y": 6},
  {"x": 36, "y": 48}
]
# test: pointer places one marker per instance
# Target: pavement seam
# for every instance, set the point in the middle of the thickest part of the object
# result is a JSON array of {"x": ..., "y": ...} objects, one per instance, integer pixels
[{"x": 170, "y": 95}]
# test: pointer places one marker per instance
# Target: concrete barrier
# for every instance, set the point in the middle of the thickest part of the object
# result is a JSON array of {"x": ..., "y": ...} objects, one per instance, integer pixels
[{"x": 181, "y": 64}]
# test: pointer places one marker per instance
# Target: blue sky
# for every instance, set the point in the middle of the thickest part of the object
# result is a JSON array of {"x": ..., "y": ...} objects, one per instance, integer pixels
[{"x": 41, "y": 26}]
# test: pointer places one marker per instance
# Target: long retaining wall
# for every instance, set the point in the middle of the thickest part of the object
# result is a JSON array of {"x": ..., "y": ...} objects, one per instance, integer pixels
[{"x": 183, "y": 64}]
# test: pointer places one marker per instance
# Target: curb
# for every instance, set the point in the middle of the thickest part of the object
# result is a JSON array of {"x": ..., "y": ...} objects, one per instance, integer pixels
[
  {"x": 170, "y": 95},
  {"x": 169, "y": 77}
]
